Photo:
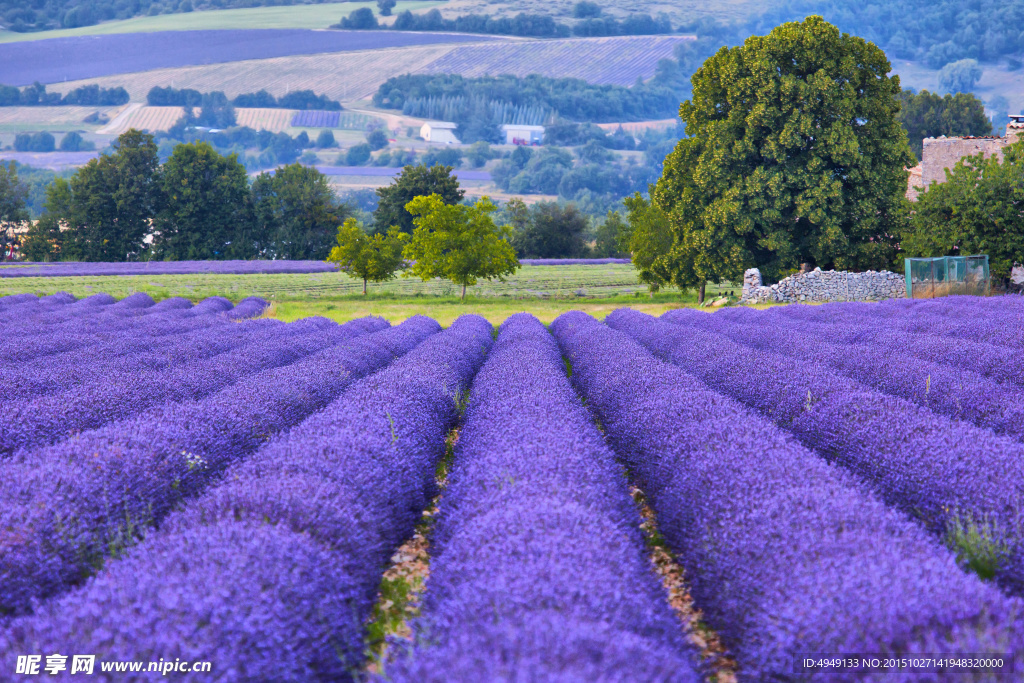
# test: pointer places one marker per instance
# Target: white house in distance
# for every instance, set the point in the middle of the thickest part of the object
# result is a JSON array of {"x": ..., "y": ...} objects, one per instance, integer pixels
[
  {"x": 439, "y": 131},
  {"x": 516, "y": 134}
]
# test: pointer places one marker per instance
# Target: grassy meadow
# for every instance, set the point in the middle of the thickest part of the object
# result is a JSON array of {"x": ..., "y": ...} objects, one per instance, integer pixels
[{"x": 545, "y": 291}]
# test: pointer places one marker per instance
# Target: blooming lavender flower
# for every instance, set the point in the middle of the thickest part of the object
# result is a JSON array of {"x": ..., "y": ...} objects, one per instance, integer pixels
[
  {"x": 538, "y": 569},
  {"x": 949, "y": 474},
  {"x": 16, "y": 300},
  {"x": 68, "y": 505},
  {"x": 292, "y": 544},
  {"x": 952, "y": 391},
  {"x": 786, "y": 553},
  {"x": 999, "y": 363},
  {"x": 52, "y": 417}
]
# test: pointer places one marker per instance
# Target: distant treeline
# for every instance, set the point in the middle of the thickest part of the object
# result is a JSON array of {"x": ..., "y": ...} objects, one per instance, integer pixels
[
  {"x": 108, "y": 208},
  {"x": 523, "y": 24},
  {"x": 565, "y": 97},
  {"x": 927, "y": 115},
  {"x": 45, "y": 142},
  {"x": 35, "y": 95},
  {"x": 186, "y": 97}
]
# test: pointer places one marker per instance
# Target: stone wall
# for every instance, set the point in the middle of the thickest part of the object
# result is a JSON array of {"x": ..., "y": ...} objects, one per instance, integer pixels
[
  {"x": 824, "y": 285},
  {"x": 941, "y": 153}
]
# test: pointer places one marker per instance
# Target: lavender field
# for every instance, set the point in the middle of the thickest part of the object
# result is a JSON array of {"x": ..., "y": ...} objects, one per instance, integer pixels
[
  {"x": 81, "y": 269},
  {"x": 67, "y": 59},
  {"x": 742, "y": 495}
]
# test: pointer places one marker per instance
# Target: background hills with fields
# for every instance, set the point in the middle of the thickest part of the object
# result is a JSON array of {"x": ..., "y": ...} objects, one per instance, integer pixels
[{"x": 609, "y": 128}]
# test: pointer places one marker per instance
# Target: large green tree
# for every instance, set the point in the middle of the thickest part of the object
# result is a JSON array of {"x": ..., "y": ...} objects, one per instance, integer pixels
[
  {"x": 978, "y": 210},
  {"x": 205, "y": 204},
  {"x": 113, "y": 199},
  {"x": 13, "y": 212},
  {"x": 795, "y": 154},
  {"x": 296, "y": 215},
  {"x": 457, "y": 242},
  {"x": 414, "y": 181},
  {"x": 928, "y": 115}
]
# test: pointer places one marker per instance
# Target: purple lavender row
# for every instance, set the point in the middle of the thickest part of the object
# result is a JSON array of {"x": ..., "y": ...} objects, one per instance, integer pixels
[
  {"x": 153, "y": 343},
  {"x": 785, "y": 553},
  {"x": 120, "y": 314},
  {"x": 959, "y": 480},
  {"x": 78, "y": 328},
  {"x": 71, "y": 506},
  {"x": 74, "y": 269},
  {"x": 10, "y": 300},
  {"x": 53, "y": 417},
  {"x": 276, "y": 569},
  {"x": 538, "y": 569},
  {"x": 999, "y": 363},
  {"x": 1005, "y": 329},
  {"x": 958, "y": 393}
]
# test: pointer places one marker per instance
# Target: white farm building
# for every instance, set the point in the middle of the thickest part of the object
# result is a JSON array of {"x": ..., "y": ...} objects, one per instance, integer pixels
[
  {"x": 439, "y": 131},
  {"x": 516, "y": 134}
]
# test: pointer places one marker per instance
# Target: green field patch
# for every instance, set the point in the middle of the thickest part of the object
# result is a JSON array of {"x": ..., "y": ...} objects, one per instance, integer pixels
[{"x": 284, "y": 16}]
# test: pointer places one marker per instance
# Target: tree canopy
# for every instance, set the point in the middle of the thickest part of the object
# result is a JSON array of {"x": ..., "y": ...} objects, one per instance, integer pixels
[
  {"x": 928, "y": 115},
  {"x": 552, "y": 231},
  {"x": 373, "y": 258},
  {"x": 296, "y": 215},
  {"x": 458, "y": 242},
  {"x": 205, "y": 198},
  {"x": 978, "y": 210},
  {"x": 412, "y": 182},
  {"x": 795, "y": 154}
]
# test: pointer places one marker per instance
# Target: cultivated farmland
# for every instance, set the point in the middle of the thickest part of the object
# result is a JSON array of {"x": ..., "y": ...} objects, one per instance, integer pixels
[
  {"x": 349, "y": 76},
  {"x": 641, "y": 499},
  {"x": 147, "y": 118},
  {"x": 274, "y": 120},
  {"x": 70, "y": 59}
]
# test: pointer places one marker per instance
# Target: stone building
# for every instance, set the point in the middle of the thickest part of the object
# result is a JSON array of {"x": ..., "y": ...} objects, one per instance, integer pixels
[{"x": 941, "y": 153}]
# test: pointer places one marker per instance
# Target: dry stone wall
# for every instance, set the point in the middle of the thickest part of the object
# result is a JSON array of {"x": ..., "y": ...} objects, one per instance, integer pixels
[{"x": 824, "y": 285}]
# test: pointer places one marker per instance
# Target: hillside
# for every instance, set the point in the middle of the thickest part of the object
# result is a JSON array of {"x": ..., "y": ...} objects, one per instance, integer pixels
[{"x": 355, "y": 75}]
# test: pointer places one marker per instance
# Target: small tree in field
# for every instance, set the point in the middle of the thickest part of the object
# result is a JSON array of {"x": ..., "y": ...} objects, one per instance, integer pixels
[
  {"x": 373, "y": 258},
  {"x": 457, "y": 242}
]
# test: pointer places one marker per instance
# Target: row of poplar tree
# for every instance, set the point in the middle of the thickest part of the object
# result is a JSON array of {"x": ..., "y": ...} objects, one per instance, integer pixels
[{"x": 199, "y": 204}]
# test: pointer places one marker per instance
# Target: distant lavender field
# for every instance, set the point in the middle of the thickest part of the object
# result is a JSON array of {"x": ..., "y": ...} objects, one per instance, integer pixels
[
  {"x": 572, "y": 261},
  {"x": 70, "y": 269},
  {"x": 13, "y": 269},
  {"x": 68, "y": 59},
  {"x": 390, "y": 172}
]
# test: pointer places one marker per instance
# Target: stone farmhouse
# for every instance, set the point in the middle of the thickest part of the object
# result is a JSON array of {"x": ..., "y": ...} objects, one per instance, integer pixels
[{"x": 941, "y": 153}]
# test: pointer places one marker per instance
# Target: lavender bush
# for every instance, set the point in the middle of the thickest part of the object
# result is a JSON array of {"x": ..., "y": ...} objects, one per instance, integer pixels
[
  {"x": 962, "y": 482},
  {"x": 538, "y": 569},
  {"x": 127, "y": 476},
  {"x": 1000, "y": 363},
  {"x": 291, "y": 546},
  {"x": 786, "y": 553},
  {"x": 949, "y": 390}
]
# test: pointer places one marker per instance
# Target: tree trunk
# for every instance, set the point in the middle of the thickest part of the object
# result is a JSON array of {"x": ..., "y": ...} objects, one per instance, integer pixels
[
  {"x": 364, "y": 286},
  {"x": 700, "y": 293},
  {"x": 463, "y": 292}
]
